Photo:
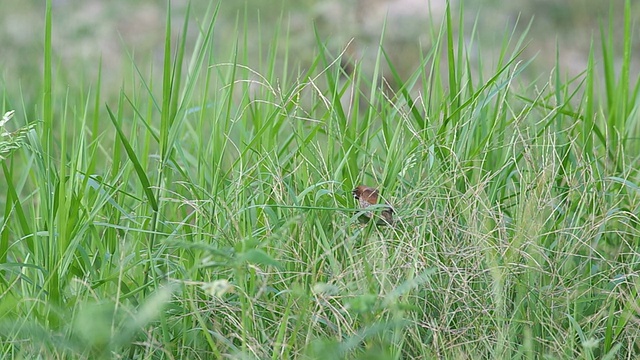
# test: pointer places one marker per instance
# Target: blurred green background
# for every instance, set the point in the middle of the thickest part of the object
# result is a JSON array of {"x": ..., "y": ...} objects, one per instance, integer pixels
[{"x": 86, "y": 31}]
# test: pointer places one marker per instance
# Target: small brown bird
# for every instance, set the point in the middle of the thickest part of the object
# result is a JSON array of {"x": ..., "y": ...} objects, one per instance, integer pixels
[{"x": 368, "y": 196}]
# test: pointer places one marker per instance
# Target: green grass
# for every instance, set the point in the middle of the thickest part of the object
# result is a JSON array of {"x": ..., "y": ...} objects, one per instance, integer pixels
[{"x": 205, "y": 210}]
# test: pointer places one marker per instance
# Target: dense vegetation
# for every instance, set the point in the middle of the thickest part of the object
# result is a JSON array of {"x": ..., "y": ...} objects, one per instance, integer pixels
[{"x": 206, "y": 210}]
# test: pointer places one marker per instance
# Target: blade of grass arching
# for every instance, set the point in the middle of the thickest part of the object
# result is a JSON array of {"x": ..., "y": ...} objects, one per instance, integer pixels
[{"x": 142, "y": 176}]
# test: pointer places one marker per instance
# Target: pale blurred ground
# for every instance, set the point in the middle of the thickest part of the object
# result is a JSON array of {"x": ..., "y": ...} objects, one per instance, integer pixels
[{"x": 87, "y": 30}]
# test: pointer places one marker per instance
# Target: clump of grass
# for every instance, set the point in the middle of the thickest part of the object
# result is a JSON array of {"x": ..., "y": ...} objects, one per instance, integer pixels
[
  {"x": 11, "y": 140},
  {"x": 214, "y": 217}
]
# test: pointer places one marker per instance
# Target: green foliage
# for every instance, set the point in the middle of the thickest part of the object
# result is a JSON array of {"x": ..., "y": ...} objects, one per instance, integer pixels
[
  {"x": 11, "y": 140},
  {"x": 213, "y": 217}
]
